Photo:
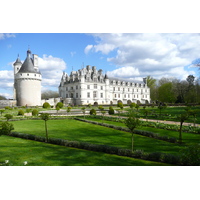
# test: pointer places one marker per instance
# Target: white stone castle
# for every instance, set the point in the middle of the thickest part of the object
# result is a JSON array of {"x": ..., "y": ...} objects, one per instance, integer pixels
[
  {"x": 87, "y": 86},
  {"x": 27, "y": 81}
]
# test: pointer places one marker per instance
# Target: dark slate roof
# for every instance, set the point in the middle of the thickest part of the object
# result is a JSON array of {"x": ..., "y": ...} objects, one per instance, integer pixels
[
  {"x": 18, "y": 61},
  {"x": 27, "y": 66}
]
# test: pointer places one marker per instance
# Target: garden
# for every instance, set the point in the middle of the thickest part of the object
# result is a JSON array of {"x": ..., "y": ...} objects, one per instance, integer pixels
[{"x": 97, "y": 138}]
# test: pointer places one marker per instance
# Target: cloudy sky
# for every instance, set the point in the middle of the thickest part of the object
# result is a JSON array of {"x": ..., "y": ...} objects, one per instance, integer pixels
[{"x": 130, "y": 56}]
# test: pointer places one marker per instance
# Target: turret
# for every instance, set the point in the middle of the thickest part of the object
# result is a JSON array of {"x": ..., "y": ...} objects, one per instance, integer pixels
[{"x": 17, "y": 65}]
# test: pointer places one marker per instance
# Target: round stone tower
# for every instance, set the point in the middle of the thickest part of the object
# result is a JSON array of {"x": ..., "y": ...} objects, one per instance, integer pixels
[{"x": 27, "y": 81}]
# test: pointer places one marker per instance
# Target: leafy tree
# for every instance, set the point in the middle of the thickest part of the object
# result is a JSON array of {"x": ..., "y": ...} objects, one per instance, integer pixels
[
  {"x": 49, "y": 94},
  {"x": 132, "y": 122},
  {"x": 69, "y": 109},
  {"x": 166, "y": 93},
  {"x": 111, "y": 111},
  {"x": 2, "y": 97},
  {"x": 137, "y": 107},
  {"x": 83, "y": 110},
  {"x": 146, "y": 113},
  {"x": 132, "y": 105},
  {"x": 2, "y": 111},
  {"x": 103, "y": 112},
  {"x": 182, "y": 117},
  {"x": 45, "y": 117},
  {"x": 57, "y": 108},
  {"x": 8, "y": 117},
  {"x": 6, "y": 128}
]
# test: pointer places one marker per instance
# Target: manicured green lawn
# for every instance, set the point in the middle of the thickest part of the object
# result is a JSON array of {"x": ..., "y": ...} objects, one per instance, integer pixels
[
  {"x": 18, "y": 150},
  {"x": 80, "y": 131},
  {"x": 188, "y": 138}
]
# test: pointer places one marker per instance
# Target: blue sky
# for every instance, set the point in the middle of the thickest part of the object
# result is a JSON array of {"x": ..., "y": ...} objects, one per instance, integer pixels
[{"x": 129, "y": 56}]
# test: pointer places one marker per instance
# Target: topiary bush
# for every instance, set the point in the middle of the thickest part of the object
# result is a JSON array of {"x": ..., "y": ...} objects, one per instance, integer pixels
[
  {"x": 93, "y": 112},
  {"x": 35, "y": 112},
  {"x": 21, "y": 112},
  {"x": 46, "y": 105},
  {"x": 59, "y": 104},
  {"x": 6, "y": 128},
  {"x": 111, "y": 111}
]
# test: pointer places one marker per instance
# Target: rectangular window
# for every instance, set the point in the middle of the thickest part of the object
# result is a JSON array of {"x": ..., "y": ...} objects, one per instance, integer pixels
[
  {"x": 95, "y": 86},
  {"x": 66, "y": 95},
  {"x": 115, "y": 95},
  {"x": 94, "y": 94},
  {"x": 101, "y": 95},
  {"x": 119, "y": 95},
  {"x": 128, "y": 95},
  {"x": 88, "y": 86},
  {"x": 66, "y": 88},
  {"x": 101, "y": 87},
  {"x": 118, "y": 88},
  {"x": 76, "y": 95},
  {"x": 88, "y": 94},
  {"x": 114, "y": 89},
  {"x": 128, "y": 89},
  {"x": 71, "y": 88},
  {"x": 72, "y": 96},
  {"x": 77, "y": 87}
]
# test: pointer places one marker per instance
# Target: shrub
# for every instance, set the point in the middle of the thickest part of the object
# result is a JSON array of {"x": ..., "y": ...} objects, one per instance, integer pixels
[
  {"x": 8, "y": 116},
  {"x": 59, "y": 104},
  {"x": 95, "y": 103},
  {"x": 20, "y": 112},
  {"x": 155, "y": 156},
  {"x": 6, "y": 128},
  {"x": 172, "y": 159},
  {"x": 93, "y": 112},
  {"x": 111, "y": 111},
  {"x": 46, "y": 105},
  {"x": 35, "y": 112}
]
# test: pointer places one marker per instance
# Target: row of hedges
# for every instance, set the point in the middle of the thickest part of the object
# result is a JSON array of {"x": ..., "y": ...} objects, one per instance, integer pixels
[
  {"x": 155, "y": 156},
  {"x": 139, "y": 132},
  {"x": 171, "y": 127}
]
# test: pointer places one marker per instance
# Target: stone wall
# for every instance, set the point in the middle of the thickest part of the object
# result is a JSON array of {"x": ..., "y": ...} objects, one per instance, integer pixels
[{"x": 4, "y": 103}]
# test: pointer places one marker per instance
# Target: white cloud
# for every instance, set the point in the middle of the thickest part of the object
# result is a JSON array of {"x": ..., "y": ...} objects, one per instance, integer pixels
[
  {"x": 6, "y": 35},
  {"x": 88, "y": 48},
  {"x": 72, "y": 53},
  {"x": 51, "y": 69},
  {"x": 125, "y": 72},
  {"x": 155, "y": 54}
]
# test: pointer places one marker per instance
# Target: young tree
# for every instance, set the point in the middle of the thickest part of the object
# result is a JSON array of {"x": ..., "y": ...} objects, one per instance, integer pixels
[
  {"x": 182, "y": 117},
  {"x": 83, "y": 110},
  {"x": 8, "y": 117},
  {"x": 2, "y": 111},
  {"x": 6, "y": 128},
  {"x": 45, "y": 117},
  {"x": 132, "y": 122},
  {"x": 69, "y": 109},
  {"x": 103, "y": 112}
]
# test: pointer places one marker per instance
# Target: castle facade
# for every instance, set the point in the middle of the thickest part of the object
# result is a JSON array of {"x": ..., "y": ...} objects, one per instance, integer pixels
[{"x": 87, "y": 86}]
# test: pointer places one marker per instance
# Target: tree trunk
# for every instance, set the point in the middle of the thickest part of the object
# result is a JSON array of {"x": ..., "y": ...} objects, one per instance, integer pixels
[
  {"x": 180, "y": 133},
  {"x": 132, "y": 142},
  {"x": 46, "y": 131}
]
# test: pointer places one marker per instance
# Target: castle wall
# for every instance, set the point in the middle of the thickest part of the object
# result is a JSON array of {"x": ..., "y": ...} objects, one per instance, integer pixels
[{"x": 28, "y": 92}]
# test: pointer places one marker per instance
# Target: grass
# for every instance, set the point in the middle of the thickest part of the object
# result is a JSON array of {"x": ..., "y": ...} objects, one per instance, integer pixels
[
  {"x": 80, "y": 131},
  {"x": 188, "y": 138},
  {"x": 18, "y": 150}
]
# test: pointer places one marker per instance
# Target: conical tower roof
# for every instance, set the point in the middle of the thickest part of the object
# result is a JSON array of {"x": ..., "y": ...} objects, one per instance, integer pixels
[
  {"x": 27, "y": 66},
  {"x": 18, "y": 61}
]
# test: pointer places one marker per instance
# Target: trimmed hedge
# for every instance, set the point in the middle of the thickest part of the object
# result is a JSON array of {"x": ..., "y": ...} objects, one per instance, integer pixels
[
  {"x": 139, "y": 132},
  {"x": 139, "y": 154}
]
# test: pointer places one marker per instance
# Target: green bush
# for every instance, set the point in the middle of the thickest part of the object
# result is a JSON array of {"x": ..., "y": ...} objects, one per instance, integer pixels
[
  {"x": 8, "y": 116},
  {"x": 93, "y": 112},
  {"x": 35, "y": 112},
  {"x": 6, "y": 128},
  {"x": 20, "y": 112},
  {"x": 111, "y": 111},
  {"x": 46, "y": 105},
  {"x": 59, "y": 104}
]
